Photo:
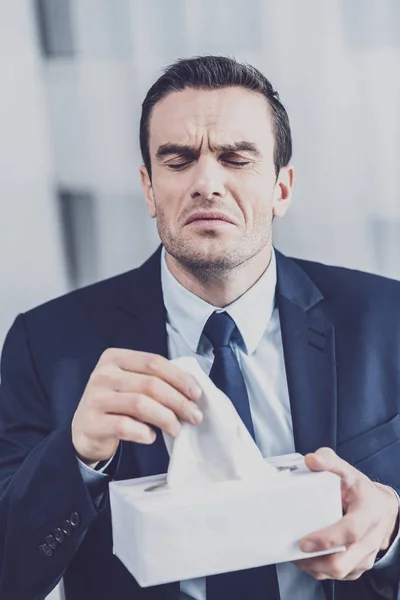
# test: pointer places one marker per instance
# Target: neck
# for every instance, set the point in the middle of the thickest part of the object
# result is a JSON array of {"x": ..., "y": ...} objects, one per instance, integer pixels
[{"x": 222, "y": 291}]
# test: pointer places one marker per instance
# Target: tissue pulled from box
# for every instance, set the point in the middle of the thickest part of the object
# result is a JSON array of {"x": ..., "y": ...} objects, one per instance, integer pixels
[{"x": 220, "y": 448}]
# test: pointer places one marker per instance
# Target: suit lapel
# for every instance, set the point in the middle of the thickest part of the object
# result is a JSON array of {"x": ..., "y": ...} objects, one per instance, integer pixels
[
  {"x": 140, "y": 325},
  {"x": 308, "y": 339},
  {"x": 309, "y": 351}
]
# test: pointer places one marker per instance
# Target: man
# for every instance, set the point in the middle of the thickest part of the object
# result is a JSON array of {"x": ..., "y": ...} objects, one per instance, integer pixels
[{"x": 313, "y": 352}]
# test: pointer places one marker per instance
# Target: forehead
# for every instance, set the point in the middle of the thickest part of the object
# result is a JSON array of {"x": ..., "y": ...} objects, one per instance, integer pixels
[{"x": 223, "y": 115}]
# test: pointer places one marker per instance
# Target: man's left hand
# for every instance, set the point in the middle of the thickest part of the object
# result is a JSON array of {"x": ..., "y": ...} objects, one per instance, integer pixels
[{"x": 367, "y": 527}]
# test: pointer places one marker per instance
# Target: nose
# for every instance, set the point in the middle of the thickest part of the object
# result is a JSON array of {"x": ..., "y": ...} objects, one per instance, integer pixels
[{"x": 209, "y": 180}]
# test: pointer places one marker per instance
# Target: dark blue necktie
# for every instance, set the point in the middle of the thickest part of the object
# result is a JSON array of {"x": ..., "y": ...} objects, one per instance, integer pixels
[
  {"x": 260, "y": 583},
  {"x": 225, "y": 371}
]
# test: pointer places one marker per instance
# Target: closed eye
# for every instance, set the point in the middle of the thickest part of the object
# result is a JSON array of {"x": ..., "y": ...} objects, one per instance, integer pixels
[
  {"x": 232, "y": 158},
  {"x": 237, "y": 163},
  {"x": 178, "y": 166}
]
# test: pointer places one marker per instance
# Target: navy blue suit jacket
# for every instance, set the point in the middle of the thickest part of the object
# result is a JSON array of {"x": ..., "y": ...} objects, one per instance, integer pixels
[{"x": 341, "y": 340}]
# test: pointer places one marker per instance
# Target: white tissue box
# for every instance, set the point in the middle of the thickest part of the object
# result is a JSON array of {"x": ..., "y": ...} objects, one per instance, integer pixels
[{"x": 163, "y": 535}]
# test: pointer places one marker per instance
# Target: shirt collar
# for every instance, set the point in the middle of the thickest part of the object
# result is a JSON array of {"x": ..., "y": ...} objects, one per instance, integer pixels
[{"x": 187, "y": 313}]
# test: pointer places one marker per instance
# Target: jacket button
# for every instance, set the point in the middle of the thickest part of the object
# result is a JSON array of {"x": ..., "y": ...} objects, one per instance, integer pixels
[
  {"x": 67, "y": 527},
  {"x": 50, "y": 541},
  {"x": 59, "y": 535},
  {"x": 74, "y": 519},
  {"x": 46, "y": 550}
]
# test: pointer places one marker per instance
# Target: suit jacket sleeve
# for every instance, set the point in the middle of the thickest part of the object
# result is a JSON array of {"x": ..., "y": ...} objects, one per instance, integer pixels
[
  {"x": 42, "y": 492},
  {"x": 383, "y": 580}
]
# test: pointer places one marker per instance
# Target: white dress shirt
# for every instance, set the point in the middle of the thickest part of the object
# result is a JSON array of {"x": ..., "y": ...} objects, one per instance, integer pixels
[{"x": 260, "y": 354}]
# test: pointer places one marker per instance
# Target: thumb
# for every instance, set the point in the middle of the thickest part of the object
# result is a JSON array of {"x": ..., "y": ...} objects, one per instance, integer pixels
[{"x": 325, "y": 459}]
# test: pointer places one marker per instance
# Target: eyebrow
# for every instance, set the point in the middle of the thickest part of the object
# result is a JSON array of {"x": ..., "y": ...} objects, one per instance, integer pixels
[{"x": 193, "y": 152}]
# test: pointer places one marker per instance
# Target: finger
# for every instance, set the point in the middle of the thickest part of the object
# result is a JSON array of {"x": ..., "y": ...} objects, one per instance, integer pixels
[
  {"x": 168, "y": 396},
  {"x": 351, "y": 529},
  {"x": 146, "y": 410},
  {"x": 361, "y": 556},
  {"x": 127, "y": 385},
  {"x": 358, "y": 557},
  {"x": 348, "y": 565},
  {"x": 131, "y": 430},
  {"x": 366, "y": 564},
  {"x": 156, "y": 365},
  {"x": 318, "y": 567}
]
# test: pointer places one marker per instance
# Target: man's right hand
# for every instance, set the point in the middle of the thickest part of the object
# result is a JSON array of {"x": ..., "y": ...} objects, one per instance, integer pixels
[{"x": 127, "y": 391}]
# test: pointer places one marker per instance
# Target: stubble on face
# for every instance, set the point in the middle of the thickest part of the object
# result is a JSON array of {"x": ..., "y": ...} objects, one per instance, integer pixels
[{"x": 217, "y": 260}]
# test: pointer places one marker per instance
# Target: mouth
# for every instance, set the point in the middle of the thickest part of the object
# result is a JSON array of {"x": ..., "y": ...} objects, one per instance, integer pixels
[{"x": 210, "y": 218}]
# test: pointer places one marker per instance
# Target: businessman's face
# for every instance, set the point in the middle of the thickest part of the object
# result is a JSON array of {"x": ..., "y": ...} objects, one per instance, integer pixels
[{"x": 214, "y": 190}]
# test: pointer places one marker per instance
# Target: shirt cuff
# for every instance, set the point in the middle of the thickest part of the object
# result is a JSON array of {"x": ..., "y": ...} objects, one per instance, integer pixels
[
  {"x": 95, "y": 479},
  {"x": 392, "y": 553}
]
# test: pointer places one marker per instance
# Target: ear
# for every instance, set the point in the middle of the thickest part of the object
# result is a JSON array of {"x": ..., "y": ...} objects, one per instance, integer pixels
[
  {"x": 283, "y": 191},
  {"x": 148, "y": 191}
]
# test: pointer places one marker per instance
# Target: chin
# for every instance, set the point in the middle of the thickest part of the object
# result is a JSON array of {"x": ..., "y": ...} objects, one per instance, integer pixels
[
  {"x": 215, "y": 255},
  {"x": 205, "y": 251},
  {"x": 205, "y": 263}
]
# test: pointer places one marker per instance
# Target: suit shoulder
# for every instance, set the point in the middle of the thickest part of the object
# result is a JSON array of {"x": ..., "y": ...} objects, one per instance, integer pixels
[
  {"x": 352, "y": 284},
  {"x": 86, "y": 298}
]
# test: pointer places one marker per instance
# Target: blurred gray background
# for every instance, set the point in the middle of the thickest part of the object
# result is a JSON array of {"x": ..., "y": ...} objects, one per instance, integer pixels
[{"x": 74, "y": 74}]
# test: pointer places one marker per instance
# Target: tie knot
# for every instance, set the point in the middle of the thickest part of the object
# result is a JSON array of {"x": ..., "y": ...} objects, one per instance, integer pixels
[{"x": 219, "y": 329}]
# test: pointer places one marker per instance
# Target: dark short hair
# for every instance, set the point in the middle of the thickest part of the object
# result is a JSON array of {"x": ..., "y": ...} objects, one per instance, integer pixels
[{"x": 213, "y": 72}]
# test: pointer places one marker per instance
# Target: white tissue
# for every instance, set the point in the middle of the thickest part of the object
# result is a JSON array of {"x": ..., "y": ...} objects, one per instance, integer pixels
[{"x": 220, "y": 448}]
